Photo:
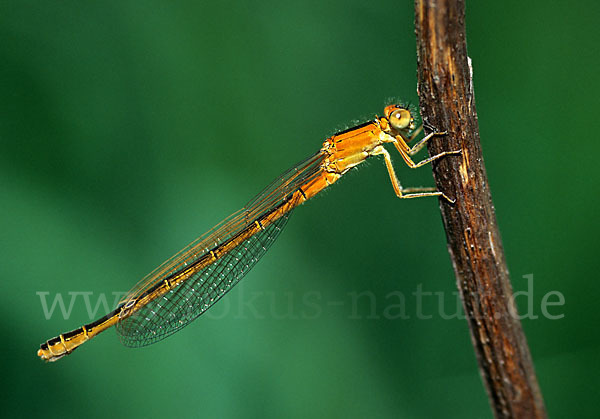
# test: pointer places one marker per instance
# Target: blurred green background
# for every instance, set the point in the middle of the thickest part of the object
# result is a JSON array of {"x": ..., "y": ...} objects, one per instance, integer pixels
[{"x": 129, "y": 128}]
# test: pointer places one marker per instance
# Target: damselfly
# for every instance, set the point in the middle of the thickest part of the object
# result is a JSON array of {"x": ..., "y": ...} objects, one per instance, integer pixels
[{"x": 189, "y": 283}]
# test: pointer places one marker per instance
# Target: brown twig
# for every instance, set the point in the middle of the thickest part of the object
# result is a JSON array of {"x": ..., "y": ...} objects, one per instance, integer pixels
[{"x": 448, "y": 104}]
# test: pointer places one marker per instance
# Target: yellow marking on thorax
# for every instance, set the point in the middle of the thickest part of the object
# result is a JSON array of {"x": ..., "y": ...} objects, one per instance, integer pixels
[{"x": 347, "y": 150}]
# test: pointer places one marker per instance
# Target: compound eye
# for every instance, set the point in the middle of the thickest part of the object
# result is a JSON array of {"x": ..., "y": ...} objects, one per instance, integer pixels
[{"x": 400, "y": 119}]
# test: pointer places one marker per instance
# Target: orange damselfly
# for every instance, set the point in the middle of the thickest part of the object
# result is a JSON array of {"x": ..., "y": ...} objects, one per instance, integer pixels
[{"x": 189, "y": 283}]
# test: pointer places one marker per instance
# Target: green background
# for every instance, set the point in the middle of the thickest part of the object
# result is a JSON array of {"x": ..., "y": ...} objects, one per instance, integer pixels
[{"x": 129, "y": 128}]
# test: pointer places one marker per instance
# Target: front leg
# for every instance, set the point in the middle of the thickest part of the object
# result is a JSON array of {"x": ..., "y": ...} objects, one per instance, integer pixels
[{"x": 418, "y": 146}]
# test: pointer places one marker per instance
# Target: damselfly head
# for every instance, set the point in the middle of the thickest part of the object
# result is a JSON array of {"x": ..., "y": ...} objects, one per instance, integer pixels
[{"x": 400, "y": 118}]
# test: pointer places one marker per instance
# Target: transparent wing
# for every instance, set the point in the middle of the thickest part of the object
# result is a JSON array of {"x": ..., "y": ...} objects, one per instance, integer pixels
[
  {"x": 270, "y": 197},
  {"x": 155, "y": 321},
  {"x": 177, "y": 308}
]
